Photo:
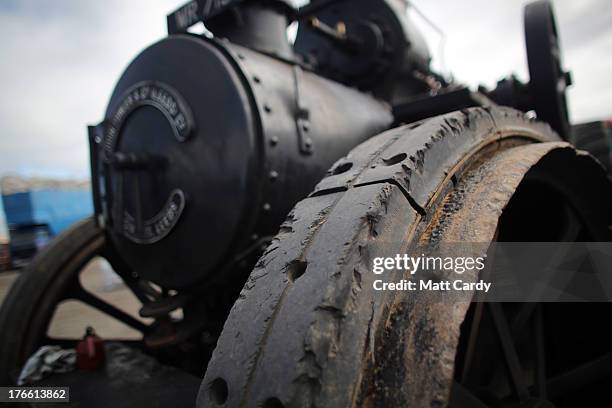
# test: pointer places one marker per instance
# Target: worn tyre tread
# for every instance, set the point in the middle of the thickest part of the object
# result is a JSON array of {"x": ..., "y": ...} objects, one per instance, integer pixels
[{"x": 307, "y": 309}]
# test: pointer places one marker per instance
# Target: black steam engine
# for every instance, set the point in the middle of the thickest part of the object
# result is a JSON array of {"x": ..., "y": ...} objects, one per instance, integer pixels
[
  {"x": 209, "y": 142},
  {"x": 210, "y": 139}
]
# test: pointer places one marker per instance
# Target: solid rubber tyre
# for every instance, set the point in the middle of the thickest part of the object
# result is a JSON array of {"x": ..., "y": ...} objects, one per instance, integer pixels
[{"x": 309, "y": 330}]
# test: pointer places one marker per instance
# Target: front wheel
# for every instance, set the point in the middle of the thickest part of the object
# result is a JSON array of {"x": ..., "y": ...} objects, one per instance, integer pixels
[
  {"x": 309, "y": 329},
  {"x": 79, "y": 280}
]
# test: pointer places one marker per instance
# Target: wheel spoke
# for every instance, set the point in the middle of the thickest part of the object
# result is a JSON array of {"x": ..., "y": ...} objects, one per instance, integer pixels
[
  {"x": 143, "y": 292},
  {"x": 540, "y": 379},
  {"x": 471, "y": 346},
  {"x": 575, "y": 379},
  {"x": 87, "y": 297},
  {"x": 136, "y": 285},
  {"x": 461, "y": 397},
  {"x": 511, "y": 357},
  {"x": 522, "y": 317}
]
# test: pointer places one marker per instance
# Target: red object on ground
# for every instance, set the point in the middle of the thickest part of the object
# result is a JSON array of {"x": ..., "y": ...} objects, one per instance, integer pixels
[{"x": 90, "y": 351}]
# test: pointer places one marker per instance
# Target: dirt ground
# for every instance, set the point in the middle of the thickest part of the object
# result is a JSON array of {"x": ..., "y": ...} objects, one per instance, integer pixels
[{"x": 72, "y": 317}]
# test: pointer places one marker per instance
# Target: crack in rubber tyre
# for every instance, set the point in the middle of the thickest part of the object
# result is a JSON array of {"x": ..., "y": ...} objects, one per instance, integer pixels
[{"x": 308, "y": 329}]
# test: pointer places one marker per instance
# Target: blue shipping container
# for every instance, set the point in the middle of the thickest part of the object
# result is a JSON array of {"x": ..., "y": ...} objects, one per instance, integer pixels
[{"x": 56, "y": 208}]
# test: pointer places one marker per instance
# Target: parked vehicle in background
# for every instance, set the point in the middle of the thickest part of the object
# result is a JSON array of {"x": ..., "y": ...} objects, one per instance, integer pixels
[
  {"x": 26, "y": 241},
  {"x": 5, "y": 257},
  {"x": 35, "y": 210}
]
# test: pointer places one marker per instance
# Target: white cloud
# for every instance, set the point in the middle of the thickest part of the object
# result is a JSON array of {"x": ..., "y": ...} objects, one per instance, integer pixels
[
  {"x": 61, "y": 59},
  {"x": 485, "y": 42},
  {"x": 60, "y": 64}
]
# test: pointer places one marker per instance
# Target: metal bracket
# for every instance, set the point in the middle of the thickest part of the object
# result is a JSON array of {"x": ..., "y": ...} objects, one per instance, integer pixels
[
  {"x": 195, "y": 11},
  {"x": 302, "y": 115}
]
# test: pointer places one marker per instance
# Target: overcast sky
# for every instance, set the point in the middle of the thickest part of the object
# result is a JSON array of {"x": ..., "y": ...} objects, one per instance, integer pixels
[{"x": 61, "y": 58}]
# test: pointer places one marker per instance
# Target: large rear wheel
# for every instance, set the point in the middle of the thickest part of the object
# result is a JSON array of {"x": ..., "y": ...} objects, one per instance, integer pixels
[{"x": 309, "y": 329}]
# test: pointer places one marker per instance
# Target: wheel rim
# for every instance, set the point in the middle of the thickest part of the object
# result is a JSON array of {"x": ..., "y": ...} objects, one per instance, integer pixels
[
  {"x": 161, "y": 335},
  {"x": 309, "y": 317},
  {"x": 524, "y": 364},
  {"x": 548, "y": 81},
  {"x": 72, "y": 289}
]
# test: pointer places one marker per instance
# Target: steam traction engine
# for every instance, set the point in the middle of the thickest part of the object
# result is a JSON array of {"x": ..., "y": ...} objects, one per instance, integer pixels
[{"x": 210, "y": 140}]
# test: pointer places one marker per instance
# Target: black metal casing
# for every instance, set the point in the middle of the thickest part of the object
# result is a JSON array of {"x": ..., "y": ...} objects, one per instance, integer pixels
[
  {"x": 382, "y": 52},
  {"x": 207, "y": 145}
]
